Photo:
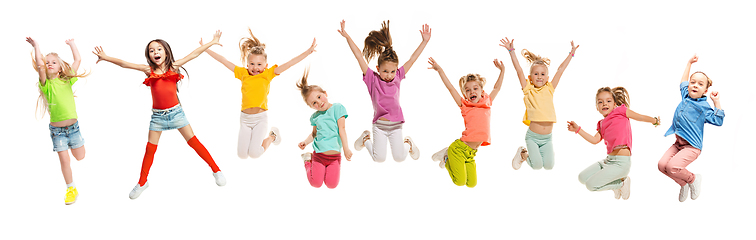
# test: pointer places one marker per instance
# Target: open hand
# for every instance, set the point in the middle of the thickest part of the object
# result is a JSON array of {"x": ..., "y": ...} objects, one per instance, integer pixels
[
  {"x": 506, "y": 43},
  {"x": 100, "y": 53},
  {"x": 499, "y": 64},
  {"x": 426, "y": 33},
  {"x": 433, "y": 64},
  {"x": 312, "y": 48},
  {"x": 31, "y": 41},
  {"x": 574, "y": 48},
  {"x": 216, "y": 38},
  {"x": 572, "y": 126},
  {"x": 342, "y": 31},
  {"x": 70, "y": 42}
]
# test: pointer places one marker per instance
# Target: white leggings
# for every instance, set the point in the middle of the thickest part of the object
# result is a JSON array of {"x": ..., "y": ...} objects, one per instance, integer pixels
[
  {"x": 253, "y": 128},
  {"x": 383, "y": 130}
]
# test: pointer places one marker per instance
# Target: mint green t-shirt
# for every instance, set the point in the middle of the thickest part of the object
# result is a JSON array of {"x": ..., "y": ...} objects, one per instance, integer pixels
[
  {"x": 60, "y": 100},
  {"x": 326, "y": 123}
]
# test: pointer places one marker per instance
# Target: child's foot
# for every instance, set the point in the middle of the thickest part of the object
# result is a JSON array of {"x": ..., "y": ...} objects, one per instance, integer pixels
[
  {"x": 519, "y": 157},
  {"x": 442, "y": 164},
  {"x": 684, "y": 192},
  {"x": 71, "y": 195},
  {"x": 138, "y": 190},
  {"x": 306, "y": 156},
  {"x": 695, "y": 187},
  {"x": 219, "y": 178},
  {"x": 360, "y": 142},
  {"x": 625, "y": 189},
  {"x": 617, "y": 193},
  {"x": 414, "y": 151},
  {"x": 440, "y": 155},
  {"x": 276, "y": 134}
]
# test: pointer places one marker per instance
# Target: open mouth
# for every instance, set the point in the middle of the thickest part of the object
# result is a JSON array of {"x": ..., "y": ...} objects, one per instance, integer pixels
[
  {"x": 472, "y": 98},
  {"x": 157, "y": 58},
  {"x": 605, "y": 109}
]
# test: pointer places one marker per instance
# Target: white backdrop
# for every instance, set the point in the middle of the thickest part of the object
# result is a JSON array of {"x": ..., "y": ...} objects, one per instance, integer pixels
[{"x": 640, "y": 45}]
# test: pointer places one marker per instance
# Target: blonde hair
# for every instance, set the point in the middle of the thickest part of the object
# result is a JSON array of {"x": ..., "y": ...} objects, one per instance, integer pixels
[
  {"x": 379, "y": 43},
  {"x": 307, "y": 89},
  {"x": 251, "y": 45},
  {"x": 619, "y": 94},
  {"x": 65, "y": 74},
  {"x": 709, "y": 82},
  {"x": 472, "y": 77},
  {"x": 534, "y": 59}
]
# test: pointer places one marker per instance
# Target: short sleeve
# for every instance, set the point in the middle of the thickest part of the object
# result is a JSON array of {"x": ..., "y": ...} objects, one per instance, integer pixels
[
  {"x": 270, "y": 73},
  {"x": 400, "y": 74},
  {"x": 369, "y": 77},
  {"x": 312, "y": 118},
  {"x": 527, "y": 88},
  {"x": 598, "y": 126},
  {"x": 339, "y": 111},
  {"x": 73, "y": 80},
  {"x": 240, "y": 72},
  {"x": 622, "y": 110},
  {"x": 684, "y": 89}
]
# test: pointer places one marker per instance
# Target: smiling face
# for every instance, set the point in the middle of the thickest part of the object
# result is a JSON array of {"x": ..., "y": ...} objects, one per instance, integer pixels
[
  {"x": 539, "y": 75},
  {"x": 605, "y": 103},
  {"x": 698, "y": 85},
  {"x": 52, "y": 64},
  {"x": 318, "y": 100},
  {"x": 473, "y": 91},
  {"x": 256, "y": 64},
  {"x": 387, "y": 71},
  {"x": 156, "y": 53}
]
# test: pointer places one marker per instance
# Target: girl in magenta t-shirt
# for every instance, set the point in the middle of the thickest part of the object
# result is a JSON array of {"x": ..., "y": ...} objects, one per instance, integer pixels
[
  {"x": 611, "y": 173},
  {"x": 383, "y": 87}
]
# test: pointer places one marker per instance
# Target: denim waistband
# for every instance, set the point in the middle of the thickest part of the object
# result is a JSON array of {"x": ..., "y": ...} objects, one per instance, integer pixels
[
  {"x": 73, "y": 126},
  {"x": 167, "y": 110}
]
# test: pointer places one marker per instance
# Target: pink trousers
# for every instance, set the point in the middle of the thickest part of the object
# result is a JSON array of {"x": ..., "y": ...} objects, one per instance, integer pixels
[
  {"x": 677, "y": 157},
  {"x": 323, "y": 168}
]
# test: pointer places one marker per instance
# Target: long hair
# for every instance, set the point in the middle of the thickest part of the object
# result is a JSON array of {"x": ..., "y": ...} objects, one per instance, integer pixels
[
  {"x": 471, "y": 78},
  {"x": 379, "y": 43},
  {"x": 534, "y": 59},
  {"x": 251, "y": 45},
  {"x": 307, "y": 89},
  {"x": 65, "y": 75},
  {"x": 619, "y": 94}
]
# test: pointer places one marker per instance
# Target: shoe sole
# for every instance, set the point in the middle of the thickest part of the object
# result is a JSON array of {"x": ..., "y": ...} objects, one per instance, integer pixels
[
  {"x": 626, "y": 182},
  {"x": 275, "y": 131},
  {"x": 359, "y": 144},
  {"x": 415, "y": 151},
  {"x": 517, "y": 160}
]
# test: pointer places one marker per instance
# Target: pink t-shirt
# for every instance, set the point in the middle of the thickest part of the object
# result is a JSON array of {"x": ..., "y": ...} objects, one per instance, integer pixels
[
  {"x": 477, "y": 120},
  {"x": 615, "y": 129},
  {"x": 385, "y": 95}
]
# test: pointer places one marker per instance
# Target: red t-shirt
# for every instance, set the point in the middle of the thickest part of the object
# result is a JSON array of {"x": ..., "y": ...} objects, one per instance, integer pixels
[{"x": 163, "y": 88}]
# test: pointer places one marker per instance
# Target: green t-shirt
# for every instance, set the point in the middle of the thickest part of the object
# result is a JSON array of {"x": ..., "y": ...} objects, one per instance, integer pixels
[
  {"x": 327, "y": 125},
  {"x": 60, "y": 100}
]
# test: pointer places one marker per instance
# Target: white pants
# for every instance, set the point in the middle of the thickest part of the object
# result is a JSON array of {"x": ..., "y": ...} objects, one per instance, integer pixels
[
  {"x": 253, "y": 128},
  {"x": 391, "y": 131}
]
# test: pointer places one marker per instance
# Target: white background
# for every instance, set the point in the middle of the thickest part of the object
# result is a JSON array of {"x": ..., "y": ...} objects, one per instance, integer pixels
[{"x": 641, "y": 45}]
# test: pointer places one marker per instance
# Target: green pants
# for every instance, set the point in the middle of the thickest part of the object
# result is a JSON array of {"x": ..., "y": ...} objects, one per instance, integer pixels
[
  {"x": 540, "y": 150},
  {"x": 461, "y": 164},
  {"x": 606, "y": 174}
]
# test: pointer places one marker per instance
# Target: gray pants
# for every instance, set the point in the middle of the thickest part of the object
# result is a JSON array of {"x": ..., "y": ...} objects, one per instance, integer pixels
[{"x": 606, "y": 174}]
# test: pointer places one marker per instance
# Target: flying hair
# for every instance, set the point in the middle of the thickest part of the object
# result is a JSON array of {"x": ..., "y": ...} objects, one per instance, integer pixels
[
  {"x": 66, "y": 73},
  {"x": 471, "y": 78},
  {"x": 251, "y": 45},
  {"x": 379, "y": 43},
  {"x": 307, "y": 89},
  {"x": 619, "y": 94},
  {"x": 534, "y": 59}
]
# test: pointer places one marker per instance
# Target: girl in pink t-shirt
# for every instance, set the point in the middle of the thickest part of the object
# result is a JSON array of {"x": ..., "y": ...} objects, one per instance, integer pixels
[
  {"x": 611, "y": 173},
  {"x": 383, "y": 87},
  {"x": 475, "y": 105}
]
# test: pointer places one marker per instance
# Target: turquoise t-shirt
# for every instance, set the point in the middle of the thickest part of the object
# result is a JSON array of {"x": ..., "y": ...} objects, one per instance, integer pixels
[
  {"x": 60, "y": 99},
  {"x": 326, "y": 123}
]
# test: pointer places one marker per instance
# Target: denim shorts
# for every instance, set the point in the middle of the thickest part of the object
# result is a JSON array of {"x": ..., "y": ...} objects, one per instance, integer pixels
[
  {"x": 168, "y": 119},
  {"x": 68, "y": 137}
]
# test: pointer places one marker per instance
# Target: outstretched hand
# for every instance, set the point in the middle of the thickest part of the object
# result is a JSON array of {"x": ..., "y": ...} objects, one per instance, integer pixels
[
  {"x": 100, "y": 53},
  {"x": 572, "y": 126},
  {"x": 31, "y": 41},
  {"x": 506, "y": 43},
  {"x": 433, "y": 64},
  {"x": 216, "y": 38},
  {"x": 312, "y": 48},
  {"x": 70, "y": 42},
  {"x": 499, "y": 64},
  {"x": 342, "y": 31},
  {"x": 693, "y": 59},
  {"x": 425, "y": 32},
  {"x": 574, "y": 48}
]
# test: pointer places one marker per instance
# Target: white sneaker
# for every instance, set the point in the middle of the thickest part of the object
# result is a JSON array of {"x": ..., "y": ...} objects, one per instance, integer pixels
[
  {"x": 625, "y": 189},
  {"x": 274, "y": 132},
  {"x": 517, "y": 160},
  {"x": 360, "y": 142},
  {"x": 695, "y": 187},
  {"x": 414, "y": 151},
  {"x": 684, "y": 192},
  {"x": 617, "y": 193},
  {"x": 306, "y": 156},
  {"x": 134, "y": 194},
  {"x": 442, "y": 164},
  {"x": 440, "y": 155},
  {"x": 219, "y": 178}
]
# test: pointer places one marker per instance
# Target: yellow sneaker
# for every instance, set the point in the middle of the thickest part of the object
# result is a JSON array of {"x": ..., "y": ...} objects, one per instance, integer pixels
[{"x": 71, "y": 195}]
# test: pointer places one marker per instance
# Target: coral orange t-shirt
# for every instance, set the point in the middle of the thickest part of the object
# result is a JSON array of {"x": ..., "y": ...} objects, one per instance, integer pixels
[
  {"x": 477, "y": 120},
  {"x": 163, "y": 88}
]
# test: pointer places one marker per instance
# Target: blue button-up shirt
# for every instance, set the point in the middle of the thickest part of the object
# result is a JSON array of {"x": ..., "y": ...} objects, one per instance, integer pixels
[{"x": 690, "y": 116}]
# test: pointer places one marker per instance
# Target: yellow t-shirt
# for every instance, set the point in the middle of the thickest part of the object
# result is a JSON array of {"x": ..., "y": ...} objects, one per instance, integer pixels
[
  {"x": 255, "y": 88},
  {"x": 539, "y": 103}
]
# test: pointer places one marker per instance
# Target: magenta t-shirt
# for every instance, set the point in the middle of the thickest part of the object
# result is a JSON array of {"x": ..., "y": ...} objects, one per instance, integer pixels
[
  {"x": 385, "y": 95},
  {"x": 615, "y": 129}
]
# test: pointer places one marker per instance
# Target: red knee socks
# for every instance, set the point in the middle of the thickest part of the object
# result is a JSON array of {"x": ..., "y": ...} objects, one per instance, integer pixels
[
  {"x": 203, "y": 153},
  {"x": 149, "y": 154}
]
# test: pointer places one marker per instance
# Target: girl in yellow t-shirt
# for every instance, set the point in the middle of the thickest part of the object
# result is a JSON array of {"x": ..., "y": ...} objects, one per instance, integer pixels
[
  {"x": 56, "y": 77},
  {"x": 255, "y": 86},
  {"x": 540, "y": 115}
]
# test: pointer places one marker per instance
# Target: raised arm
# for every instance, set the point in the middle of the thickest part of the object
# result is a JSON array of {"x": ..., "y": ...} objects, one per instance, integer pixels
[
  {"x": 686, "y": 73},
  {"x": 344, "y": 141},
  {"x": 714, "y": 95},
  {"x": 194, "y": 54},
  {"x": 219, "y": 58},
  {"x": 297, "y": 59},
  {"x": 101, "y": 56},
  {"x": 426, "y": 34},
  {"x": 449, "y": 86},
  {"x": 355, "y": 50},
  {"x": 573, "y": 127},
  {"x": 563, "y": 66},
  {"x": 76, "y": 56},
  {"x": 509, "y": 45},
  {"x": 497, "y": 86},
  {"x": 39, "y": 61},
  {"x": 643, "y": 118}
]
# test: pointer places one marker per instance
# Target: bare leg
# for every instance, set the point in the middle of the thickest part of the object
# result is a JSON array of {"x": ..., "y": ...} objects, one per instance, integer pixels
[{"x": 65, "y": 166}]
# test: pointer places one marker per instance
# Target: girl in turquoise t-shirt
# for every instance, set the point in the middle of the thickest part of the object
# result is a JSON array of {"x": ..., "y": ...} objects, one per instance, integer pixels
[
  {"x": 55, "y": 80},
  {"x": 328, "y": 136}
]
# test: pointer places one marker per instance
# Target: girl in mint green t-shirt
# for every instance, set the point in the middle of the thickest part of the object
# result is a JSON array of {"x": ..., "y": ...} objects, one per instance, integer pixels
[{"x": 55, "y": 80}]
